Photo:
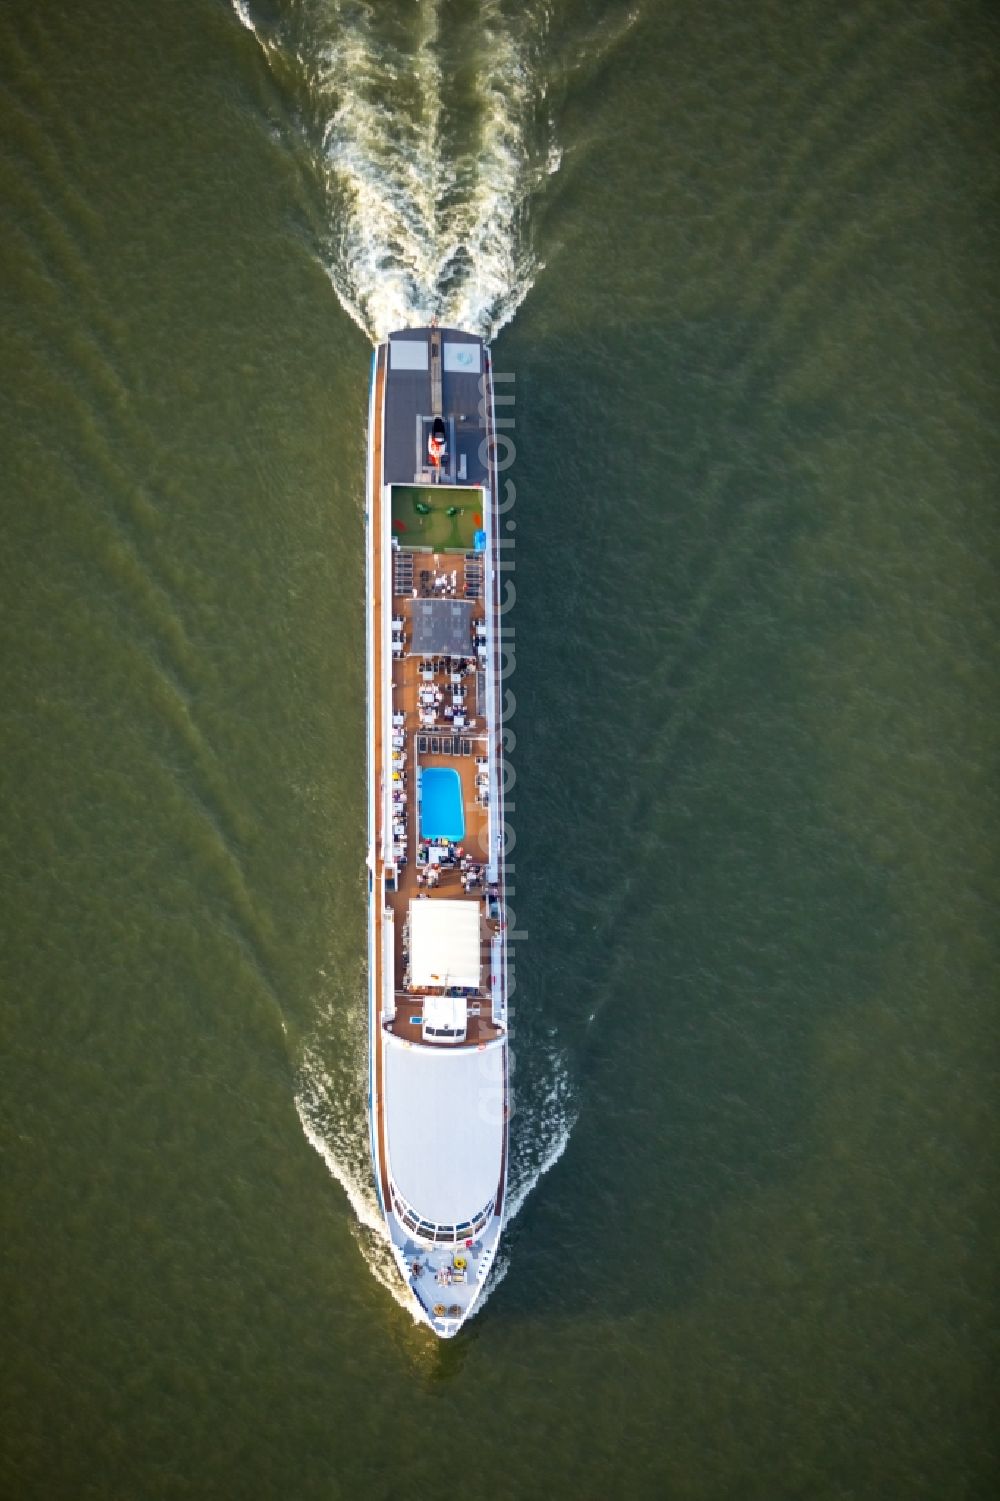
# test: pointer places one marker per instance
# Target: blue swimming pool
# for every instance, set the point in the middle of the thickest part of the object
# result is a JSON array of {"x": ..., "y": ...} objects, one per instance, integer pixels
[{"x": 441, "y": 813}]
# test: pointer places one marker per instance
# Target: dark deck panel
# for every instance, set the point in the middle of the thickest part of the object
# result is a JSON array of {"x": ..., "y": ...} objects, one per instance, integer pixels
[
  {"x": 442, "y": 627},
  {"x": 408, "y": 395}
]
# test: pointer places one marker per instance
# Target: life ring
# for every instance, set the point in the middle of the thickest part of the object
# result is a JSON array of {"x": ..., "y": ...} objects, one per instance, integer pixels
[
  {"x": 460, "y": 1263},
  {"x": 438, "y": 1310}
]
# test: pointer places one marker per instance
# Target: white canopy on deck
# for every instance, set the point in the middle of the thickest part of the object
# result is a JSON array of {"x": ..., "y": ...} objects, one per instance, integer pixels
[
  {"x": 445, "y": 945},
  {"x": 444, "y": 1127}
]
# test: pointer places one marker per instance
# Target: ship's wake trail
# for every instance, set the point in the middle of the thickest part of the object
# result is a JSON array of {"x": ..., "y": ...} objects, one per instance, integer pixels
[
  {"x": 434, "y": 135},
  {"x": 331, "y": 1103}
]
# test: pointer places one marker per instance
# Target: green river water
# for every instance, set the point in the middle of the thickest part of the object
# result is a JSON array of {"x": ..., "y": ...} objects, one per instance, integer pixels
[{"x": 740, "y": 262}]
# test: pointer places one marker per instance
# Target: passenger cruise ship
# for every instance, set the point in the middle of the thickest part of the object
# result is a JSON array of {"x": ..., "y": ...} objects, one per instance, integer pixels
[{"x": 437, "y": 962}]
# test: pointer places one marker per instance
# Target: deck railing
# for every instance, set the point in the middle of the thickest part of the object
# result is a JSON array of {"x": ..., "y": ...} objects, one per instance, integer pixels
[{"x": 495, "y": 639}]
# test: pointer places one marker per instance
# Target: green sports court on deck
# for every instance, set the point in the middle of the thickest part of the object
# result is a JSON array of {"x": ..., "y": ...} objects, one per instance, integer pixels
[{"x": 436, "y": 516}]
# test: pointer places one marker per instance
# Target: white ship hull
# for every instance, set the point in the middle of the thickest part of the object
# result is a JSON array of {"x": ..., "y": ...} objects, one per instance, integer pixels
[{"x": 437, "y": 961}]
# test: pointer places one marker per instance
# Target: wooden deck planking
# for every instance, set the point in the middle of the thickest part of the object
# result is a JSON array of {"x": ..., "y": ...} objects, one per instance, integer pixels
[{"x": 407, "y": 683}]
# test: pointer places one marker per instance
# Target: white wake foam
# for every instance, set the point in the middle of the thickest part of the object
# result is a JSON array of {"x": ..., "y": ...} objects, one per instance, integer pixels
[
  {"x": 333, "y": 1114},
  {"x": 540, "y": 1131},
  {"x": 432, "y": 146},
  {"x": 242, "y": 9}
]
